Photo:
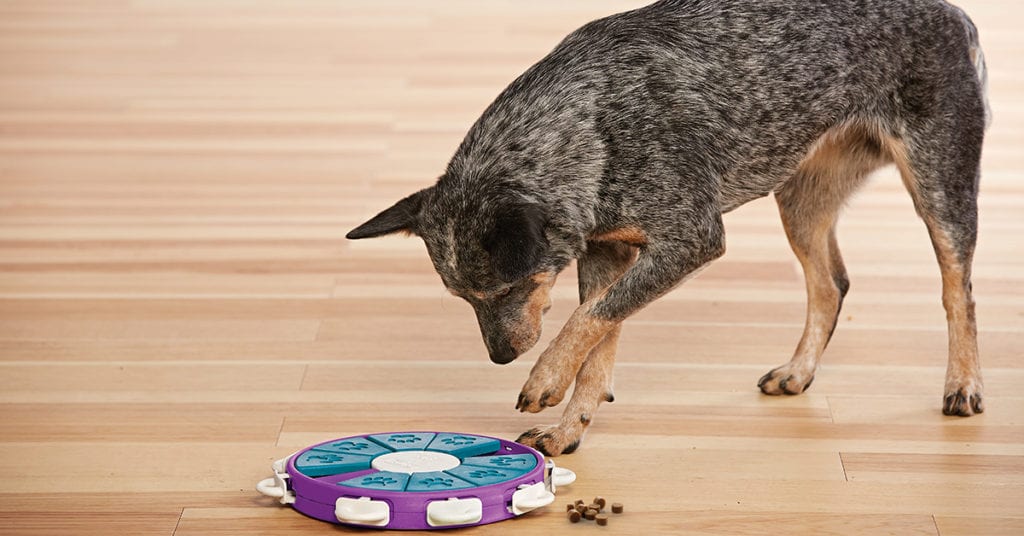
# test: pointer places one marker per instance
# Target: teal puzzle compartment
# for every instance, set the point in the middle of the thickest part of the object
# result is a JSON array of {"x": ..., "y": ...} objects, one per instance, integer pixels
[
  {"x": 383, "y": 480},
  {"x": 463, "y": 445},
  {"x": 317, "y": 463},
  {"x": 404, "y": 441}
]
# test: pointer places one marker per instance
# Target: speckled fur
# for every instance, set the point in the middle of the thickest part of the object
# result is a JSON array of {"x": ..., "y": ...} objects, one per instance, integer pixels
[{"x": 653, "y": 123}]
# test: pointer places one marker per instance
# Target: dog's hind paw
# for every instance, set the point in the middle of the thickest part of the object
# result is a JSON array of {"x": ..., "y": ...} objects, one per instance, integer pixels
[
  {"x": 962, "y": 392},
  {"x": 785, "y": 380},
  {"x": 963, "y": 402},
  {"x": 551, "y": 440}
]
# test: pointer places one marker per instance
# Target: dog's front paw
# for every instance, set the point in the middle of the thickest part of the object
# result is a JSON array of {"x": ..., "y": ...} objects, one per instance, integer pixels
[
  {"x": 786, "y": 380},
  {"x": 552, "y": 440},
  {"x": 535, "y": 403},
  {"x": 541, "y": 391}
]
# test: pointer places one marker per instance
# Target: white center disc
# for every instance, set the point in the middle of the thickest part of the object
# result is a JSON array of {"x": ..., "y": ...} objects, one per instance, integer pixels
[{"x": 415, "y": 461}]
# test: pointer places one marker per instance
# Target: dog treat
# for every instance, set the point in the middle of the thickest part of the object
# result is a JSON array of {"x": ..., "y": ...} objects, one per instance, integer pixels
[{"x": 593, "y": 511}]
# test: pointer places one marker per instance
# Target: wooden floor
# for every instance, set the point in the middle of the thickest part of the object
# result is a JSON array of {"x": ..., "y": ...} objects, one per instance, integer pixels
[{"x": 178, "y": 307}]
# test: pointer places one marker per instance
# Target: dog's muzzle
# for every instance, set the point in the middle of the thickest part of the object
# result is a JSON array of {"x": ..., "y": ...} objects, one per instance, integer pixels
[{"x": 509, "y": 330}]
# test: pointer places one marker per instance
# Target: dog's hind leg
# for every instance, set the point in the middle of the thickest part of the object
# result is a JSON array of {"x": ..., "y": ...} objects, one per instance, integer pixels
[
  {"x": 941, "y": 169},
  {"x": 809, "y": 204},
  {"x": 603, "y": 263}
]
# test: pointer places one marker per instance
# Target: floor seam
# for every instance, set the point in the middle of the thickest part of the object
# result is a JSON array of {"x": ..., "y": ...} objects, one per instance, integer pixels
[{"x": 178, "y": 523}]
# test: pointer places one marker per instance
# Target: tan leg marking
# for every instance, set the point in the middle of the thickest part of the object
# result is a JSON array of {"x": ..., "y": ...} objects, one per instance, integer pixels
[
  {"x": 593, "y": 386},
  {"x": 963, "y": 389},
  {"x": 559, "y": 363},
  {"x": 823, "y": 302}
]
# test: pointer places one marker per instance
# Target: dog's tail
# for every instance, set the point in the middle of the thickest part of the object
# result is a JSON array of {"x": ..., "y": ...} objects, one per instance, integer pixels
[{"x": 978, "y": 58}]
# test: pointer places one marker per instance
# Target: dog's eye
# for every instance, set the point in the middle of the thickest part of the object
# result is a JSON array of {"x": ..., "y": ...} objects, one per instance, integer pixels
[{"x": 503, "y": 292}]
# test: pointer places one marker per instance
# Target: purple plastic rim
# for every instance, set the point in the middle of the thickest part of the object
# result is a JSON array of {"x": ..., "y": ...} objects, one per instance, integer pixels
[{"x": 316, "y": 497}]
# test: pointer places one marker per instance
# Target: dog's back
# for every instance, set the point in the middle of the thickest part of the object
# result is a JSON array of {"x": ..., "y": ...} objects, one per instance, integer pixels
[{"x": 736, "y": 90}]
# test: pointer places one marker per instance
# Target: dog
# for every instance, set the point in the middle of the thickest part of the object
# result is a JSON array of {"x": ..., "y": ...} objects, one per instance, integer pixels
[{"x": 623, "y": 147}]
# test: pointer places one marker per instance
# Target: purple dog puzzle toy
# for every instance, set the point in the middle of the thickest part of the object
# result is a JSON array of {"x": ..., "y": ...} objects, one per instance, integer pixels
[{"x": 415, "y": 480}]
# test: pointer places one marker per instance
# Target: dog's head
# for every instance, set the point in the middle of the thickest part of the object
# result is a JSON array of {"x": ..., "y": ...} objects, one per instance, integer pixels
[{"x": 492, "y": 253}]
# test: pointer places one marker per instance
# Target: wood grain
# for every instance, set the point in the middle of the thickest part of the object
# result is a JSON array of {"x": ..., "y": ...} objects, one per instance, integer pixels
[{"x": 178, "y": 307}]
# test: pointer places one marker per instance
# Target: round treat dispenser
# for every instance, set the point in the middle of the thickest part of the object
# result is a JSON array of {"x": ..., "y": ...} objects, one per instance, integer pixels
[{"x": 415, "y": 480}]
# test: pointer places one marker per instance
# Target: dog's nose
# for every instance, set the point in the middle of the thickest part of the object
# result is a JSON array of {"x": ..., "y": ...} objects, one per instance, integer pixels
[{"x": 503, "y": 357}]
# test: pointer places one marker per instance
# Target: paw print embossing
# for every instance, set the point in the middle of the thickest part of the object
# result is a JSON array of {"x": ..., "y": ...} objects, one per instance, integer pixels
[
  {"x": 402, "y": 438},
  {"x": 326, "y": 458},
  {"x": 505, "y": 461},
  {"x": 459, "y": 440},
  {"x": 351, "y": 445},
  {"x": 486, "y": 473},
  {"x": 382, "y": 481},
  {"x": 437, "y": 482}
]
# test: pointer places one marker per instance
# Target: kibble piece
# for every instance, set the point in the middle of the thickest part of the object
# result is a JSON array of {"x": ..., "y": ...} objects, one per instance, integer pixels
[
  {"x": 616, "y": 508},
  {"x": 574, "y": 516},
  {"x": 594, "y": 506},
  {"x": 590, "y": 513},
  {"x": 570, "y": 507},
  {"x": 600, "y": 502},
  {"x": 581, "y": 508},
  {"x": 602, "y": 519},
  {"x": 578, "y": 502}
]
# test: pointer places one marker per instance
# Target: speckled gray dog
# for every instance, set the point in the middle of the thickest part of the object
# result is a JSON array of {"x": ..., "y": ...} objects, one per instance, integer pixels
[{"x": 625, "y": 145}]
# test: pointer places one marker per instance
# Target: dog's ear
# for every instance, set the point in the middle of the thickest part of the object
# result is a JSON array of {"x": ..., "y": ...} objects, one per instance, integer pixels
[
  {"x": 516, "y": 243},
  {"x": 401, "y": 217}
]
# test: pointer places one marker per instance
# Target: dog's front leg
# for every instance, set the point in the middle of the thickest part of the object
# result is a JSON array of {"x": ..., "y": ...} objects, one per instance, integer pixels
[
  {"x": 593, "y": 386},
  {"x": 661, "y": 265},
  {"x": 561, "y": 361},
  {"x": 602, "y": 265}
]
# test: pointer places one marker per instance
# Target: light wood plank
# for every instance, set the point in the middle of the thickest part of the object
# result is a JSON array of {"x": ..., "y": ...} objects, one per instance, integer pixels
[
  {"x": 149, "y": 377},
  {"x": 991, "y": 526},
  {"x": 62, "y": 521},
  {"x": 937, "y": 468}
]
